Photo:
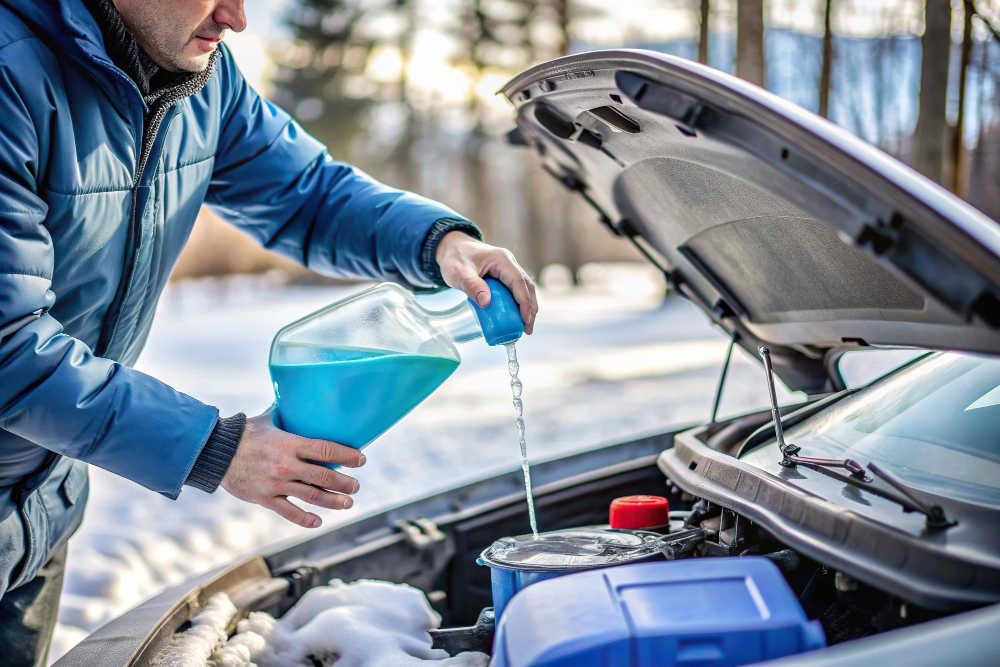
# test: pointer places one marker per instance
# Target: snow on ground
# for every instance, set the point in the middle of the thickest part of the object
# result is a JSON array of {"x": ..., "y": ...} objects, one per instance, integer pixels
[{"x": 608, "y": 361}]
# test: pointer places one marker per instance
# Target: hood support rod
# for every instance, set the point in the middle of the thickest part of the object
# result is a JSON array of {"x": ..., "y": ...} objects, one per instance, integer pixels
[
  {"x": 722, "y": 377},
  {"x": 789, "y": 452}
]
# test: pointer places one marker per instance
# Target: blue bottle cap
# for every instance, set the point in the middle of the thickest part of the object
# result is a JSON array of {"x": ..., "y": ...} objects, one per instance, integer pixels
[{"x": 501, "y": 319}]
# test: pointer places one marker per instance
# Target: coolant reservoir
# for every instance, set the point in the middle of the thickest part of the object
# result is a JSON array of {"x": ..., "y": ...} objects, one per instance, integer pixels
[
  {"x": 573, "y": 549},
  {"x": 348, "y": 372},
  {"x": 517, "y": 562}
]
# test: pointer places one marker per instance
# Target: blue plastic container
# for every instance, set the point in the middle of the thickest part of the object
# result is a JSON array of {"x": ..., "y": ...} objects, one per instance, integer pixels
[
  {"x": 704, "y": 611},
  {"x": 506, "y": 583}
]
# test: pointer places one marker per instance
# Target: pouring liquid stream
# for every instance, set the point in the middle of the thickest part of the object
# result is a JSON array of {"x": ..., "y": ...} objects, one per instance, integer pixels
[{"x": 516, "y": 388}]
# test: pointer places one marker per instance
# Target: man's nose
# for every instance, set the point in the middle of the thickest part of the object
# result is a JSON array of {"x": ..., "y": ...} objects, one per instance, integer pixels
[{"x": 231, "y": 14}]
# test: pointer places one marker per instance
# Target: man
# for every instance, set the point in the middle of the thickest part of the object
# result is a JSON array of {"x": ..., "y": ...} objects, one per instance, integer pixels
[{"x": 118, "y": 119}]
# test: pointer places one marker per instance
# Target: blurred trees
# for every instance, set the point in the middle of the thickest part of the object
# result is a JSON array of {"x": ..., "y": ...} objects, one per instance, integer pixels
[
  {"x": 750, "y": 40},
  {"x": 703, "y": 30},
  {"x": 938, "y": 148},
  {"x": 826, "y": 68},
  {"x": 514, "y": 32},
  {"x": 935, "y": 46},
  {"x": 405, "y": 90},
  {"x": 982, "y": 165},
  {"x": 957, "y": 144}
]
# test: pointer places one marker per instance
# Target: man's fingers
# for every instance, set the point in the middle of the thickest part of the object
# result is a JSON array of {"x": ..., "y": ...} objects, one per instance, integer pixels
[
  {"x": 475, "y": 287},
  {"x": 317, "y": 496},
  {"x": 464, "y": 260},
  {"x": 286, "y": 510},
  {"x": 533, "y": 305},
  {"x": 330, "y": 452},
  {"x": 523, "y": 290},
  {"x": 325, "y": 478}
]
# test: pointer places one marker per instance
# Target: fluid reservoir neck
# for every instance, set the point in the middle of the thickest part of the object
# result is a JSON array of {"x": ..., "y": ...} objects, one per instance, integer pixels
[{"x": 459, "y": 322}]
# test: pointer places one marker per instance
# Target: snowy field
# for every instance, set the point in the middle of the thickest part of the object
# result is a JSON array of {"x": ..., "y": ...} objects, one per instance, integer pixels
[{"x": 608, "y": 361}]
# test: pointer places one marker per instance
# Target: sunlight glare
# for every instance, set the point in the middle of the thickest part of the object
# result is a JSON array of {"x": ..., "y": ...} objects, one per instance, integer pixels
[
  {"x": 490, "y": 81},
  {"x": 385, "y": 65},
  {"x": 256, "y": 63},
  {"x": 429, "y": 73}
]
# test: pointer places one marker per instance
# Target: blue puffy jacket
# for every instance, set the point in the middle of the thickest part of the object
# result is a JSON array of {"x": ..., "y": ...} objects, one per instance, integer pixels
[{"x": 86, "y": 245}]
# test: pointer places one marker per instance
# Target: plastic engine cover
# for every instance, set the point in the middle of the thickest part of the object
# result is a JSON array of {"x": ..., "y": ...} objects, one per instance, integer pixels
[{"x": 705, "y": 612}]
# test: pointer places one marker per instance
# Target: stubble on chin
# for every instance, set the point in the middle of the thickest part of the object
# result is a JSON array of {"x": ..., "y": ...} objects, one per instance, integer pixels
[
  {"x": 186, "y": 63},
  {"x": 169, "y": 51},
  {"x": 175, "y": 57}
]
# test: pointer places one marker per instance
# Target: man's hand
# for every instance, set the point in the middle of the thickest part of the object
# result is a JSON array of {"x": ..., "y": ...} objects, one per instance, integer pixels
[
  {"x": 465, "y": 261},
  {"x": 270, "y": 465}
]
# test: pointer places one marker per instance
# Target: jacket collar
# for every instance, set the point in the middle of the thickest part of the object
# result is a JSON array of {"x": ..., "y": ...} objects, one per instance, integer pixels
[
  {"x": 70, "y": 29},
  {"x": 64, "y": 24}
]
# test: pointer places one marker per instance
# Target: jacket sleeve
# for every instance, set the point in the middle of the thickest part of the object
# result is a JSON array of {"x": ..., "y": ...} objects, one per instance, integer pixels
[
  {"x": 53, "y": 390},
  {"x": 278, "y": 183}
]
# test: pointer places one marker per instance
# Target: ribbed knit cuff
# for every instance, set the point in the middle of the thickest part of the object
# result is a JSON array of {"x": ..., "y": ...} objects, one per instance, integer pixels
[
  {"x": 428, "y": 251},
  {"x": 217, "y": 454}
]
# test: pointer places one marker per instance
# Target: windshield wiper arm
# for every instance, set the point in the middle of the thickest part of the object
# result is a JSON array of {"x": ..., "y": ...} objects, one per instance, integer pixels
[
  {"x": 934, "y": 513},
  {"x": 898, "y": 492},
  {"x": 789, "y": 452}
]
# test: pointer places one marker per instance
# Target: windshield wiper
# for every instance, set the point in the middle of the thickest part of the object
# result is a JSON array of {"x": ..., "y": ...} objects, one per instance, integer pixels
[
  {"x": 934, "y": 513},
  {"x": 789, "y": 452},
  {"x": 896, "y": 491}
]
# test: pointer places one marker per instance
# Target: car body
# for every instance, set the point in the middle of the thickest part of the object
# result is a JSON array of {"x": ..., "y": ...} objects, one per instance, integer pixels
[{"x": 791, "y": 234}]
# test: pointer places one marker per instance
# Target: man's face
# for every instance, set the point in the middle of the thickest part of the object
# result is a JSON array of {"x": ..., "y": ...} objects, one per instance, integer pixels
[{"x": 180, "y": 35}]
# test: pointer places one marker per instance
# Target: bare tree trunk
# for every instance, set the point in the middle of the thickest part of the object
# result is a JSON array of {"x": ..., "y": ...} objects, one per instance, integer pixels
[
  {"x": 882, "y": 83},
  {"x": 827, "y": 67},
  {"x": 703, "y": 34},
  {"x": 562, "y": 11},
  {"x": 935, "y": 45},
  {"x": 750, "y": 40},
  {"x": 983, "y": 108},
  {"x": 959, "y": 183}
]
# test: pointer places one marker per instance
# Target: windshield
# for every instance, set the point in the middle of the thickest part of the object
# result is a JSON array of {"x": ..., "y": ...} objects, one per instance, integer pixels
[
  {"x": 935, "y": 425},
  {"x": 860, "y": 367}
]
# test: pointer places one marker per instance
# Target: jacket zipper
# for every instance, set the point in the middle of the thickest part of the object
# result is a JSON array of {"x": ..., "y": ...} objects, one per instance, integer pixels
[
  {"x": 162, "y": 106},
  {"x": 111, "y": 318}
]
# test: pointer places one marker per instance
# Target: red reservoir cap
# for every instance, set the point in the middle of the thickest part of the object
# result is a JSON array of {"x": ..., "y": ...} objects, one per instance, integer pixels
[{"x": 639, "y": 512}]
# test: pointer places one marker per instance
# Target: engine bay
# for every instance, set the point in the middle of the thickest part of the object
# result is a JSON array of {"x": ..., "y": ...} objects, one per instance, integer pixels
[
  {"x": 433, "y": 545},
  {"x": 842, "y": 607}
]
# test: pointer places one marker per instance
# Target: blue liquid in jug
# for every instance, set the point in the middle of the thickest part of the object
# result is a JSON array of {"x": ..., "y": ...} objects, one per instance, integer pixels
[{"x": 350, "y": 395}]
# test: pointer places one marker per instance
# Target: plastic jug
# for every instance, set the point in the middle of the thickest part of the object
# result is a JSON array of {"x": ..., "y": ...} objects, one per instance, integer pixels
[{"x": 349, "y": 371}]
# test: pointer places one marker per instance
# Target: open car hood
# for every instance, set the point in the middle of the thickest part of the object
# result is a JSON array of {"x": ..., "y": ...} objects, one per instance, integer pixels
[{"x": 785, "y": 228}]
